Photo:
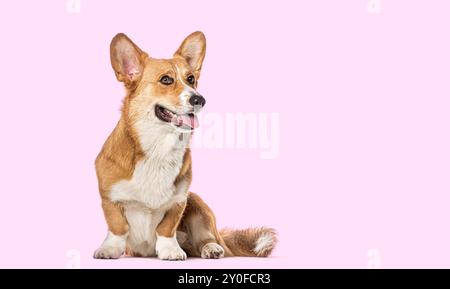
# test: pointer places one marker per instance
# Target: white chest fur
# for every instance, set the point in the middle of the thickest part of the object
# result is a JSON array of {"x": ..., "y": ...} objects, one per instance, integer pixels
[
  {"x": 152, "y": 183},
  {"x": 151, "y": 190}
]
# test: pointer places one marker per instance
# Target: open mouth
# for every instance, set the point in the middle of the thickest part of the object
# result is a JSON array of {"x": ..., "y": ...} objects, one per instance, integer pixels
[{"x": 187, "y": 120}]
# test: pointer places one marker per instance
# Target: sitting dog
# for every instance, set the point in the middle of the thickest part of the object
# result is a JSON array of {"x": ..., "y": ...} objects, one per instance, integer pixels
[{"x": 144, "y": 168}]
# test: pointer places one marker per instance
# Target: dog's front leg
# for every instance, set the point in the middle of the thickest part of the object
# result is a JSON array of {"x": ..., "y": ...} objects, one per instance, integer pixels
[
  {"x": 114, "y": 244},
  {"x": 167, "y": 246}
]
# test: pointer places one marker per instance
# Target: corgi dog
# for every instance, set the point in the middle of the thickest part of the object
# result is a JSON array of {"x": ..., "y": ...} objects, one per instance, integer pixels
[{"x": 144, "y": 168}]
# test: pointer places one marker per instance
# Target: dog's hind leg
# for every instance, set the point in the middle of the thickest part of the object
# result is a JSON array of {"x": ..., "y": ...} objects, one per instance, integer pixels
[{"x": 199, "y": 223}]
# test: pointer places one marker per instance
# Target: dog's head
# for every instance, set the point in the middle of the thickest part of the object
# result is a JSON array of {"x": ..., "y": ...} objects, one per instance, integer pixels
[{"x": 162, "y": 93}]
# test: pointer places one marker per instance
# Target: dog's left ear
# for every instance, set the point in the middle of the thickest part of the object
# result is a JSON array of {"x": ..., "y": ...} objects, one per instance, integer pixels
[{"x": 193, "y": 50}]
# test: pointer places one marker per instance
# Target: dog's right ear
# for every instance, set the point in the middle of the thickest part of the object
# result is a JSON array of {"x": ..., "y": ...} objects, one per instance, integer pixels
[{"x": 127, "y": 59}]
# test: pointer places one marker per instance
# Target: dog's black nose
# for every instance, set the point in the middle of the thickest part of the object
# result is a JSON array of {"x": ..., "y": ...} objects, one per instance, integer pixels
[{"x": 197, "y": 99}]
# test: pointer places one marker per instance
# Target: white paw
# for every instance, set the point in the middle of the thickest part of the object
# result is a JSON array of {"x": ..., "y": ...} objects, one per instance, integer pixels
[
  {"x": 169, "y": 249},
  {"x": 212, "y": 251},
  {"x": 112, "y": 247},
  {"x": 108, "y": 253},
  {"x": 171, "y": 253}
]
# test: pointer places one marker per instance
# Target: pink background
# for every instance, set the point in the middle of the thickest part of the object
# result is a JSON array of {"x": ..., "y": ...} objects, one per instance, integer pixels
[{"x": 363, "y": 99}]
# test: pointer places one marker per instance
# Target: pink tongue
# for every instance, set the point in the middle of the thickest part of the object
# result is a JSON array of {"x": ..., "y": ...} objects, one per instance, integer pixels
[{"x": 188, "y": 119}]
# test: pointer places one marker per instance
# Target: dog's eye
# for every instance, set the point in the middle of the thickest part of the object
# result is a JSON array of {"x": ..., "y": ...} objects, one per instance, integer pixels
[
  {"x": 166, "y": 80},
  {"x": 190, "y": 79}
]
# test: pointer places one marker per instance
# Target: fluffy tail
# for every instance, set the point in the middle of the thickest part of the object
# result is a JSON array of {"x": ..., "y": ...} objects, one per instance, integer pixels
[{"x": 252, "y": 242}]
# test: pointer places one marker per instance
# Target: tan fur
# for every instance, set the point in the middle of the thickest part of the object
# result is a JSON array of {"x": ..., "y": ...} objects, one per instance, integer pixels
[
  {"x": 122, "y": 150},
  {"x": 116, "y": 162},
  {"x": 186, "y": 169},
  {"x": 168, "y": 226},
  {"x": 115, "y": 219},
  {"x": 196, "y": 208}
]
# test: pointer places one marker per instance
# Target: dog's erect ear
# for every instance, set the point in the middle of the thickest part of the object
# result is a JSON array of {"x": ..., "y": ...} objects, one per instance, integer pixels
[
  {"x": 193, "y": 50},
  {"x": 127, "y": 59}
]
